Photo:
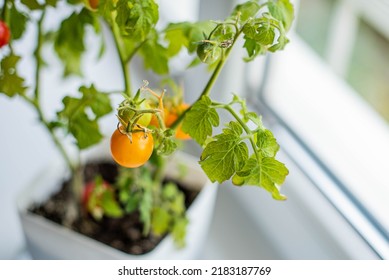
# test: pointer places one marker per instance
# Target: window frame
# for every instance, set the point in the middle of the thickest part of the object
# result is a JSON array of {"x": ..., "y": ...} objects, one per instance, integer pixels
[{"x": 317, "y": 170}]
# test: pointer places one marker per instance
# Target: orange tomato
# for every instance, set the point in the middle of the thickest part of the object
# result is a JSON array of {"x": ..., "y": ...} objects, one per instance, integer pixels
[
  {"x": 170, "y": 116},
  {"x": 131, "y": 154}
]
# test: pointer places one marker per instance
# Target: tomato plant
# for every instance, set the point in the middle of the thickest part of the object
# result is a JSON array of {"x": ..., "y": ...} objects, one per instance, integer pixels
[
  {"x": 131, "y": 150},
  {"x": 242, "y": 150},
  {"x": 5, "y": 34}
]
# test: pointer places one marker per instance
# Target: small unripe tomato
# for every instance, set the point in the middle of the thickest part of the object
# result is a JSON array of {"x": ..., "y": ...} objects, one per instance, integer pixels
[
  {"x": 208, "y": 52},
  {"x": 5, "y": 34},
  {"x": 131, "y": 153}
]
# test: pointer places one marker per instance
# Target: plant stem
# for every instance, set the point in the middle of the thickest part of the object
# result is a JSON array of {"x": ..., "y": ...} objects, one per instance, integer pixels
[
  {"x": 38, "y": 58},
  {"x": 159, "y": 176},
  {"x": 132, "y": 54},
  {"x": 207, "y": 89},
  {"x": 36, "y": 98},
  {"x": 123, "y": 62},
  {"x": 4, "y": 11},
  {"x": 245, "y": 127}
]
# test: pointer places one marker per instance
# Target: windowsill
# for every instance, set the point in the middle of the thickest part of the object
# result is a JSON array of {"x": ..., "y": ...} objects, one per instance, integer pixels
[{"x": 333, "y": 121}]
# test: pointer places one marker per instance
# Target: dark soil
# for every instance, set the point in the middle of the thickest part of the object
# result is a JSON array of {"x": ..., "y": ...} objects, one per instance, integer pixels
[{"x": 124, "y": 234}]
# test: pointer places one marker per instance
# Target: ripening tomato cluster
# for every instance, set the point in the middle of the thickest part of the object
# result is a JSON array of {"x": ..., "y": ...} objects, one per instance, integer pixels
[
  {"x": 5, "y": 34},
  {"x": 171, "y": 114},
  {"x": 133, "y": 149}
]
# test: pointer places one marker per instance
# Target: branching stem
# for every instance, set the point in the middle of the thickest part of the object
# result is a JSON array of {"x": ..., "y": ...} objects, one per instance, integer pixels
[{"x": 244, "y": 126}]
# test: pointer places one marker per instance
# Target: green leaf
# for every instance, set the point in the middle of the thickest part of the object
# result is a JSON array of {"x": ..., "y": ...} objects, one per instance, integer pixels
[
  {"x": 110, "y": 205},
  {"x": 281, "y": 42},
  {"x": 254, "y": 118},
  {"x": 99, "y": 102},
  {"x": 177, "y": 205},
  {"x": 155, "y": 56},
  {"x": 186, "y": 34},
  {"x": 267, "y": 143},
  {"x": 160, "y": 220},
  {"x": 223, "y": 33},
  {"x": 246, "y": 10},
  {"x": 69, "y": 40},
  {"x": 179, "y": 231},
  {"x": 253, "y": 48},
  {"x": 137, "y": 18},
  {"x": 176, "y": 35},
  {"x": 282, "y": 10},
  {"x": 37, "y": 5},
  {"x": 200, "y": 119},
  {"x": 10, "y": 82},
  {"x": 81, "y": 115},
  {"x": 32, "y": 4},
  {"x": 169, "y": 191},
  {"x": 265, "y": 35},
  {"x": 105, "y": 9},
  {"x": 17, "y": 23},
  {"x": 167, "y": 145},
  {"x": 145, "y": 209},
  {"x": 52, "y": 3},
  {"x": 259, "y": 36},
  {"x": 85, "y": 131},
  {"x": 226, "y": 155},
  {"x": 266, "y": 172}
]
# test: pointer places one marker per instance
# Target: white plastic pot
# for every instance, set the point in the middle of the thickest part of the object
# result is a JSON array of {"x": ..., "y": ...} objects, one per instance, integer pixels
[{"x": 48, "y": 240}]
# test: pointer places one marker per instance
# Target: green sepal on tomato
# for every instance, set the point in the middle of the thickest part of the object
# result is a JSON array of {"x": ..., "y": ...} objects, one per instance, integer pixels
[{"x": 127, "y": 114}]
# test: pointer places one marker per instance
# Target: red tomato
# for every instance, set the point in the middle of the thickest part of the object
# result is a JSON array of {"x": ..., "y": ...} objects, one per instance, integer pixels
[{"x": 5, "y": 34}]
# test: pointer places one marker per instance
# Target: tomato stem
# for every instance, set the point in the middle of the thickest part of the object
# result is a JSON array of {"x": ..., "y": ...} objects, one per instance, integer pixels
[
  {"x": 37, "y": 54},
  {"x": 35, "y": 101},
  {"x": 135, "y": 50},
  {"x": 248, "y": 131},
  {"x": 207, "y": 90},
  {"x": 159, "y": 176},
  {"x": 4, "y": 11}
]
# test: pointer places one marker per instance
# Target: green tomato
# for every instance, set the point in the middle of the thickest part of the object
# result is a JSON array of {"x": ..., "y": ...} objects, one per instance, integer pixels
[
  {"x": 208, "y": 52},
  {"x": 126, "y": 115}
]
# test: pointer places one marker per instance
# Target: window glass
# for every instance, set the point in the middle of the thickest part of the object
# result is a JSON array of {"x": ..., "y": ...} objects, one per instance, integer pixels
[
  {"x": 312, "y": 24},
  {"x": 369, "y": 68}
]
